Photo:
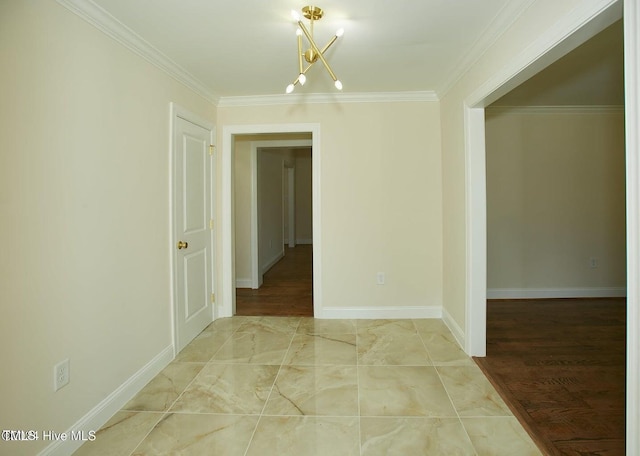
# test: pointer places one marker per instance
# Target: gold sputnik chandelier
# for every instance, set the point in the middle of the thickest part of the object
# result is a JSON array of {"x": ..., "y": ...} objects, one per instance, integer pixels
[{"x": 313, "y": 53}]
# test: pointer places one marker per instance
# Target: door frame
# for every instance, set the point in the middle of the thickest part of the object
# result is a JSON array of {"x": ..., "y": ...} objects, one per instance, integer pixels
[
  {"x": 587, "y": 21},
  {"x": 227, "y": 298},
  {"x": 178, "y": 112}
]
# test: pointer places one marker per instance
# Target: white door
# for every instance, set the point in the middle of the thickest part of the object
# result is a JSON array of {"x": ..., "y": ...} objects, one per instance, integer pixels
[{"x": 193, "y": 176}]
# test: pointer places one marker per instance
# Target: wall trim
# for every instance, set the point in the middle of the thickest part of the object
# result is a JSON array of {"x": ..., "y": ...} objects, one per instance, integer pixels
[
  {"x": 501, "y": 23},
  {"x": 272, "y": 262},
  {"x": 383, "y": 312},
  {"x": 113, "y": 403},
  {"x": 550, "y": 293},
  {"x": 556, "y": 109},
  {"x": 112, "y": 27},
  {"x": 319, "y": 98},
  {"x": 244, "y": 283},
  {"x": 455, "y": 329},
  {"x": 632, "y": 139}
]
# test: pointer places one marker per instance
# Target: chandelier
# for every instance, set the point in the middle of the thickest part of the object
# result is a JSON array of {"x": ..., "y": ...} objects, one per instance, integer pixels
[{"x": 313, "y": 53}]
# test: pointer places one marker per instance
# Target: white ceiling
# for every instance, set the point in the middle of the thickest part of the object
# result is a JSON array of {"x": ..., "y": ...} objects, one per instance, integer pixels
[
  {"x": 226, "y": 49},
  {"x": 248, "y": 47}
]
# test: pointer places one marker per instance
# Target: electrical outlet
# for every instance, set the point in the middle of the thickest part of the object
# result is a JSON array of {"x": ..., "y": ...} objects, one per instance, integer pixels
[
  {"x": 593, "y": 263},
  {"x": 380, "y": 278},
  {"x": 60, "y": 374}
]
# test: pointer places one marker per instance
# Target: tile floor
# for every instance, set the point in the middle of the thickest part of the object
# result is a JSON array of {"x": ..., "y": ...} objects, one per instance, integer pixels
[{"x": 299, "y": 386}]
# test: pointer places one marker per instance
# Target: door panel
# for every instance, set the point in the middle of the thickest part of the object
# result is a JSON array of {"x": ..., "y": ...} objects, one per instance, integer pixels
[{"x": 193, "y": 243}]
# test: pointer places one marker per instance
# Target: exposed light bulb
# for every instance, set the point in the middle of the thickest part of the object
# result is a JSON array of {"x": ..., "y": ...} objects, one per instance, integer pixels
[
  {"x": 340, "y": 32},
  {"x": 338, "y": 84},
  {"x": 302, "y": 79},
  {"x": 295, "y": 15},
  {"x": 290, "y": 88}
]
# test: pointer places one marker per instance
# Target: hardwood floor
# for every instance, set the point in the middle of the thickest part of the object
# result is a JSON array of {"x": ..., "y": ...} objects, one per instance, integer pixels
[
  {"x": 560, "y": 365},
  {"x": 287, "y": 288}
]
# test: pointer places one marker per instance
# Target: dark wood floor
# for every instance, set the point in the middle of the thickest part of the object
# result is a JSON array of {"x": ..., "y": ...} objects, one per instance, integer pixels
[
  {"x": 287, "y": 288},
  {"x": 560, "y": 365}
]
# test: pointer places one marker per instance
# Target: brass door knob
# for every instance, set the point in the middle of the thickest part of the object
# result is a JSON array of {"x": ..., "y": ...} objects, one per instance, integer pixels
[{"x": 182, "y": 245}]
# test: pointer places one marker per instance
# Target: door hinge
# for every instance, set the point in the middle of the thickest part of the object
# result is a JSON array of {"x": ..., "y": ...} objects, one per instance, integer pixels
[
  {"x": 212, "y": 148},
  {"x": 213, "y": 298},
  {"x": 210, "y": 224}
]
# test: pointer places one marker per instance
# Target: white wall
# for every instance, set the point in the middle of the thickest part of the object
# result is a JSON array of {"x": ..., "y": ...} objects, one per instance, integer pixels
[
  {"x": 84, "y": 201},
  {"x": 555, "y": 201},
  {"x": 381, "y": 200}
]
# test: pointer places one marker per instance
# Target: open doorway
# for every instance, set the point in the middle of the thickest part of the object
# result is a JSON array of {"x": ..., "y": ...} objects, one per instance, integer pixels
[
  {"x": 273, "y": 224},
  {"x": 267, "y": 138},
  {"x": 555, "y": 183}
]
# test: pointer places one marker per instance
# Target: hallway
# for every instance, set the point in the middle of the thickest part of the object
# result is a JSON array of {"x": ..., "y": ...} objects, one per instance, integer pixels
[{"x": 287, "y": 289}]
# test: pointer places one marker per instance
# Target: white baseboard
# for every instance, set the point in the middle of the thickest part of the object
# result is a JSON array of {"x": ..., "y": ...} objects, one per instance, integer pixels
[
  {"x": 372, "y": 313},
  {"x": 550, "y": 293},
  {"x": 112, "y": 404},
  {"x": 244, "y": 283},
  {"x": 278, "y": 256},
  {"x": 455, "y": 329}
]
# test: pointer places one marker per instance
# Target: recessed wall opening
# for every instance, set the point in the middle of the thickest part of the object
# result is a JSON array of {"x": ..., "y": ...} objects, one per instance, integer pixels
[
  {"x": 273, "y": 224},
  {"x": 271, "y": 215}
]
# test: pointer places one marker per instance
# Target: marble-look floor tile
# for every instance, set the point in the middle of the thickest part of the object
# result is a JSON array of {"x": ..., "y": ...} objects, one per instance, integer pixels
[
  {"x": 402, "y": 391},
  {"x": 314, "y": 390},
  {"x": 256, "y": 348},
  {"x": 203, "y": 347},
  {"x": 271, "y": 325},
  {"x": 395, "y": 327},
  {"x": 313, "y": 326},
  {"x": 228, "y": 388},
  {"x": 414, "y": 436},
  {"x": 121, "y": 434},
  {"x": 164, "y": 389},
  {"x": 230, "y": 323},
  {"x": 197, "y": 435},
  {"x": 330, "y": 349},
  {"x": 382, "y": 348},
  {"x": 471, "y": 393},
  {"x": 444, "y": 350},
  {"x": 499, "y": 436},
  {"x": 305, "y": 436},
  {"x": 430, "y": 326}
]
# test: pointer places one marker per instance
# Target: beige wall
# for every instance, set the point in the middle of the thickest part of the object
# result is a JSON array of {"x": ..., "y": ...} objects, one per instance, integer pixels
[
  {"x": 303, "y": 196},
  {"x": 541, "y": 17},
  {"x": 381, "y": 198},
  {"x": 555, "y": 199},
  {"x": 84, "y": 201},
  {"x": 270, "y": 207}
]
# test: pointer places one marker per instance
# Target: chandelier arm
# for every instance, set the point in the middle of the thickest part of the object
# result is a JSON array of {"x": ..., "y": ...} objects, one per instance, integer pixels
[
  {"x": 328, "y": 45},
  {"x": 315, "y": 48},
  {"x": 300, "y": 53}
]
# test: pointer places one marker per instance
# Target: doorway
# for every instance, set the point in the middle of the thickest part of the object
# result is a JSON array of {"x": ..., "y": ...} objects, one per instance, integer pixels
[
  {"x": 229, "y": 223},
  {"x": 273, "y": 224}
]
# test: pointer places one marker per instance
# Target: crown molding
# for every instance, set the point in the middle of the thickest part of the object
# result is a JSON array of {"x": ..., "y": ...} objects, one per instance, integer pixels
[
  {"x": 498, "y": 26},
  {"x": 112, "y": 27},
  {"x": 577, "y": 109},
  {"x": 318, "y": 98}
]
